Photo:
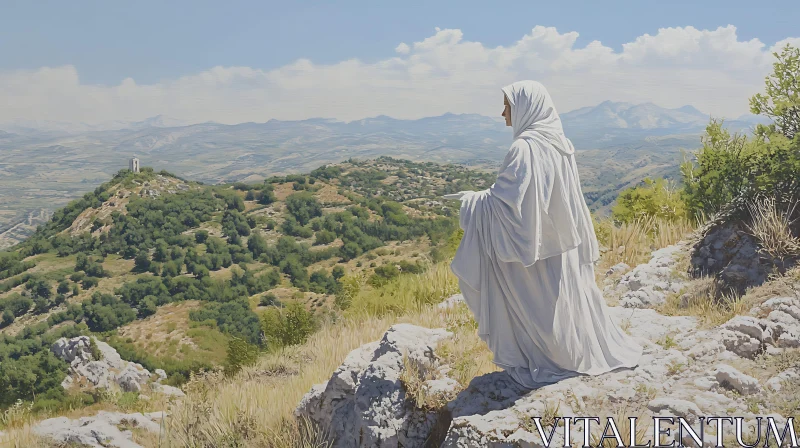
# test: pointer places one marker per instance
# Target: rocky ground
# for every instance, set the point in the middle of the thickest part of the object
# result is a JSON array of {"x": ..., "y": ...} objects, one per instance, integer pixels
[
  {"x": 95, "y": 364},
  {"x": 747, "y": 367},
  {"x": 106, "y": 429}
]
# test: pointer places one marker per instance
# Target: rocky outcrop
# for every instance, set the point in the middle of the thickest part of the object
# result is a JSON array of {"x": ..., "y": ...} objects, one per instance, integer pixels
[
  {"x": 683, "y": 372},
  {"x": 365, "y": 404},
  {"x": 648, "y": 285},
  {"x": 106, "y": 429},
  {"x": 105, "y": 367},
  {"x": 733, "y": 256}
]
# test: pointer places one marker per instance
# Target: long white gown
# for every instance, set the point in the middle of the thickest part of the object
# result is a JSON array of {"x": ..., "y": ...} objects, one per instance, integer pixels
[{"x": 526, "y": 262}]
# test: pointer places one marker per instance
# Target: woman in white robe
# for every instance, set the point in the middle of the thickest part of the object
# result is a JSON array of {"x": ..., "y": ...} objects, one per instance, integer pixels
[{"x": 526, "y": 262}]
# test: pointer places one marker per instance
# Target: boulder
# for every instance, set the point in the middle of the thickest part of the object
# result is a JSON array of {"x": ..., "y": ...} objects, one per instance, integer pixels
[
  {"x": 730, "y": 378},
  {"x": 108, "y": 369},
  {"x": 132, "y": 378},
  {"x": 730, "y": 254},
  {"x": 365, "y": 395},
  {"x": 106, "y": 429},
  {"x": 776, "y": 382},
  {"x": 167, "y": 390},
  {"x": 162, "y": 375},
  {"x": 618, "y": 268},
  {"x": 675, "y": 408}
]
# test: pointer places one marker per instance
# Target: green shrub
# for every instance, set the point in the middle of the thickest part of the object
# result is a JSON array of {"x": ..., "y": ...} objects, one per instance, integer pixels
[
  {"x": 731, "y": 166},
  {"x": 268, "y": 299},
  {"x": 239, "y": 354},
  {"x": 652, "y": 199},
  {"x": 324, "y": 237},
  {"x": 291, "y": 325}
]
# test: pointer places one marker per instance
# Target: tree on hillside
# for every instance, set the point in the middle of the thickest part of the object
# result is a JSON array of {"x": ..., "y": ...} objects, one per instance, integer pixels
[
  {"x": 781, "y": 100},
  {"x": 63, "y": 287},
  {"x": 731, "y": 166},
  {"x": 39, "y": 287},
  {"x": 257, "y": 244},
  {"x": 142, "y": 261},
  {"x": 267, "y": 195},
  {"x": 201, "y": 236},
  {"x": 303, "y": 206}
]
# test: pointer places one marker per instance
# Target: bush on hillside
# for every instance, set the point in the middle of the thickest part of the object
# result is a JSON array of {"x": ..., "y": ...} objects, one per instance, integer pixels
[
  {"x": 731, "y": 166},
  {"x": 234, "y": 318},
  {"x": 239, "y": 354},
  {"x": 303, "y": 207},
  {"x": 652, "y": 199},
  {"x": 105, "y": 312},
  {"x": 291, "y": 325}
]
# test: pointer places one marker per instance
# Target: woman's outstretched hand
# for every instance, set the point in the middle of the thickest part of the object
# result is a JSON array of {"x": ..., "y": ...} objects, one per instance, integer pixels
[{"x": 457, "y": 196}]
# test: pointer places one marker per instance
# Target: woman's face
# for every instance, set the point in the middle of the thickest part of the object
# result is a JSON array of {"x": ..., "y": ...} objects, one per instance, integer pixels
[{"x": 507, "y": 111}]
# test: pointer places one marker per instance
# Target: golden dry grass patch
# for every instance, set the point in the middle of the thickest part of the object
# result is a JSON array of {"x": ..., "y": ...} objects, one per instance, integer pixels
[
  {"x": 170, "y": 323},
  {"x": 329, "y": 194},
  {"x": 284, "y": 190},
  {"x": 633, "y": 243},
  {"x": 116, "y": 265},
  {"x": 266, "y": 394}
]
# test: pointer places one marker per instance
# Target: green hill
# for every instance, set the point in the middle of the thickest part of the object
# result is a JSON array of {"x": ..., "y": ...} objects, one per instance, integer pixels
[{"x": 168, "y": 271}]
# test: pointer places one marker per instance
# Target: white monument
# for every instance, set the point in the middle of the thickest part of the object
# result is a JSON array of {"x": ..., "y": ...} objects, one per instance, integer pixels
[{"x": 133, "y": 165}]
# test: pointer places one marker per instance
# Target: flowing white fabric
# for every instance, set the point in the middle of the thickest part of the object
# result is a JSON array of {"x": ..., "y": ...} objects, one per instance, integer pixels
[{"x": 526, "y": 262}]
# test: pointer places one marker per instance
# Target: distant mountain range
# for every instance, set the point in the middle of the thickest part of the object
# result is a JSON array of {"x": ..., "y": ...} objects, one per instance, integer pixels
[
  {"x": 33, "y": 127},
  {"x": 43, "y": 164},
  {"x": 608, "y": 115}
]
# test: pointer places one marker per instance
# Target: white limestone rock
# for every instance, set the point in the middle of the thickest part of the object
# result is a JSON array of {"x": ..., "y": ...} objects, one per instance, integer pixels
[
  {"x": 746, "y": 324},
  {"x": 102, "y": 430},
  {"x": 676, "y": 408},
  {"x": 647, "y": 285},
  {"x": 731, "y": 378},
  {"x": 132, "y": 378},
  {"x": 618, "y": 268},
  {"x": 108, "y": 369},
  {"x": 162, "y": 375},
  {"x": 366, "y": 397},
  {"x": 740, "y": 343},
  {"x": 776, "y": 382},
  {"x": 451, "y": 301},
  {"x": 167, "y": 390}
]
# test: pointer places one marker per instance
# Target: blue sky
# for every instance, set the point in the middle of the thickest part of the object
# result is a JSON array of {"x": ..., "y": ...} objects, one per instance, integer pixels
[
  {"x": 108, "y": 41},
  {"x": 237, "y": 61}
]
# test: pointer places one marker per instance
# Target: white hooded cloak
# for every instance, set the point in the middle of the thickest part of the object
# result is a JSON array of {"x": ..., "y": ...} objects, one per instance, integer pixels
[{"x": 526, "y": 262}]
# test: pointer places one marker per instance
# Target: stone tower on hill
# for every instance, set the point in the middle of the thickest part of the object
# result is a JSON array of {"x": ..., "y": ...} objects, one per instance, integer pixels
[{"x": 133, "y": 165}]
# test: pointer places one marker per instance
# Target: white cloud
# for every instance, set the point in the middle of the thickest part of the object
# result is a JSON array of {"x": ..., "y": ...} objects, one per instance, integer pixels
[{"x": 710, "y": 69}]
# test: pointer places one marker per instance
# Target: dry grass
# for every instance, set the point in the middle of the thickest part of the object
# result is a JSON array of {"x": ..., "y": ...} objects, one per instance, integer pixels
[
  {"x": 405, "y": 294},
  {"x": 465, "y": 354},
  {"x": 632, "y": 243},
  {"x": 621, "y": 415},
  {"x": 414, "y": 377},
  {"x": 169, "y": 333},
  {"x": 329, "y": 195},
  {"x": 18, "y": 421},
  {"x": 255, "y": 408},
  {"x": 772, "y": 228},
  {"x": 699, "y": 299}
]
